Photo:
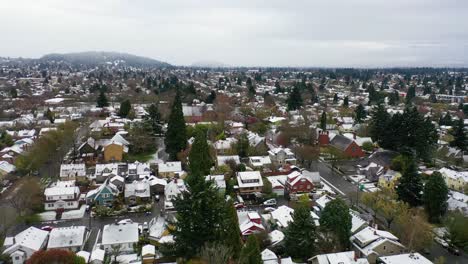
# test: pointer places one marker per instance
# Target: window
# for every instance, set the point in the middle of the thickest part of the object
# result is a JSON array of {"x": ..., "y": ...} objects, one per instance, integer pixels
[{"x": 384, "y": 247}]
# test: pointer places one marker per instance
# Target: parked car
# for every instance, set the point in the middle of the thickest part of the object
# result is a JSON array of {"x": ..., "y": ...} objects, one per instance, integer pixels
[
  {"x": 157, "y": 198},
  {"x": 454, "y": 250},
  {"x": 441, "y": 242},
  {"x": 47, "y": 228},
  {"x": 270, "y": 202},
  {"x": 126, "y": 221},
  {"x": 239, "y": 205},
  {"x": 269, "y": 209}
]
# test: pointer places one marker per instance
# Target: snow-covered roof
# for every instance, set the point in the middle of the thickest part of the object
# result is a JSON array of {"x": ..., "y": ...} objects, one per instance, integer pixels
[
  {"x": 282, "y": 215},
  {"x": 171, "y": 166},
  {"x": 218, "y": 180},
  {"x": 120, "y": 233},
  {"x": 138, "y": 188},
  {"x": 32, "y": 238},
  {"x": 409, "y": 258},
  {"x": 64, "y": 237},
  {"x": 248, "y": 179}
]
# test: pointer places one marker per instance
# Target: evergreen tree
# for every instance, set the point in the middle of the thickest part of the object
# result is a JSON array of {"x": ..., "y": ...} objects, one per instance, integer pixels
[
  {"x": 335, "y": 99},
  {"x": 459, "y": 135},
  {"x": 102, "y": 100},
  {"x": 323, "y": 121},
  {"x": 433, "y": 98},
  {"x": 410, "y": 185},
  {"x": 243, "y": 145},
  {"x": 13, "y": 92},
  {"x": 210, "y": 99},
  {"x": 199, "y": 218},
  {"x": 445, "y": 120},
  {"x": 176, "y": 137},
  {"x": 50, "y": 115},
  {"x": 199, "y": 158},
  {"x": 250, "y": 253},
  {"x": 411, "y": 94},
  {"x": 336, "y": 219},
  {"x": 360, "y": 113},
  {"x": 250, "y": 87},
  {"x": 294, "y": 100},
  {"x": 393, "y": 98},
  {"x": 153, "y": 118},
  {"x": 125, "y": 108},
  {"x": 378, "y": 123},
  {"x": 346, "y": 102},
  {"x": 300, "y": 235},
  {"x": 435, "y": 197},
  {"x": 232, "y": 232}
]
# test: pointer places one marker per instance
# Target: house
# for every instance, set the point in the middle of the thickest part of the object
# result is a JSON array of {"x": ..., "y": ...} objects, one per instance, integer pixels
[
  {"x": 118, "y": 182},
  {"x": 104, "y": 171},
  {"x": 113, "y": 151},
  {"x": 219, "y": 182},
  {"x": 347, "y": 146},
  {"x": 250, "y": 222},
  {"x": 408, "y": 258},
  {"x": 323, "y": 138},
  {"x": 372, "y": 243},
  {"x": 157, "y": 228},
  {"x": 280, "y": 156},
  {"x": 72, "y": 171},
  {"x": 170, "y": 169},
  {"x": 347, "y": 257},
  {"x": 277, "y": 184},
  {"x": 223, "y": 160},
  {"x": 259, "y": 161},
  {"x": 137, "y": 191},
  {"x": 222, "y": 146},
  {"x": 138, "y": 171},
  {"x": 103, "y": 195},
  {"x": 123, "y": 235},
  {"x": 389, "y": 179},
  {"x": 24, "y": 244},
  {"x": 296, "y": 182},
  {"x": 373, "y": 171},
  {"x": 249, "y": 182},
  {"x": 84, "y": 254},
  {"x": 88, "y": 149},
  {"x": 172, "y": 190},
  {"x": 62, "y": 195},
  {"x": 282, "y": 216},
  {"x": 71, "y": 238},
  {"x": 157, "y": 185},
  {"x": 6, "y": 168},
  {"x": 97, "y": 256},
  {"x": 148, "y": 254},
  {"x": 455, "y": 180}
]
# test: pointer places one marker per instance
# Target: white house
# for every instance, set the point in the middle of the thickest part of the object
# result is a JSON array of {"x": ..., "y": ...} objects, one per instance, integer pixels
[
  {"x": 169, "y": 169},
  {"x": 259, "y": 161},
  {"x": 25, "y": 243},
  {"x": 171, "y": 191},
  {"x": 249, "y": 182},
  {"x": 348, "y": 257},
  {"x": 218, "y": 180},
  {"x": 282, "y": 156},
  {"x": 72, "y": 171},
  {"x": 63, "y": 195},
  {"x": 123, "y": 235},
  {"x": 70, "y": 238}
]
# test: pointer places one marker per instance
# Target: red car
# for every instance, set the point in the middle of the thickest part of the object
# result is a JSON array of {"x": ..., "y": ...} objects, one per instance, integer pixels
[{"x": 47, "y": 228}]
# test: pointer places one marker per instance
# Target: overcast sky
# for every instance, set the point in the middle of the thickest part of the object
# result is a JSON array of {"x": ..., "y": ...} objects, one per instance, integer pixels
[{"x": 330, "y": 33}]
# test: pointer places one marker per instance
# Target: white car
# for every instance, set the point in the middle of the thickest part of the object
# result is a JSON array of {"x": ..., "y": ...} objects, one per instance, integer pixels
[
  {"x": 270, "y": 202},
  {"x": 441, "y": 242}
]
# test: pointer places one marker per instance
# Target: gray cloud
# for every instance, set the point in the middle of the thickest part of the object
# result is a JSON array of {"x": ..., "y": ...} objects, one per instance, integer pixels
[{"x": 252, "y": 33}]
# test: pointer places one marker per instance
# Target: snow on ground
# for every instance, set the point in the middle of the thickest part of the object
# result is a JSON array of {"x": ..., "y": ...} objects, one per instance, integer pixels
[{"x": 74, "y": 214}]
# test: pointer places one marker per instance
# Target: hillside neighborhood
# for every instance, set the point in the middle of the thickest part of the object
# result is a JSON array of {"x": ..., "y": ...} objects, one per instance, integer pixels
[{"x": 114, "y": 163}]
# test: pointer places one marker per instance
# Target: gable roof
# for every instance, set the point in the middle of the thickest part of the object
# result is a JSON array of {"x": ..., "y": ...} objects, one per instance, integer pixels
[{"x": 341, "y": 142}]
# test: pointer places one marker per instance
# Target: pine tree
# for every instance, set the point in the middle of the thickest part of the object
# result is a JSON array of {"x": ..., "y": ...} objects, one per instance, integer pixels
[
  {"x": 102, "y": 100},
  {"x": 199, "y": 158},
  {"x": 411, "y": 94},
  {"x": 176, "y": 137},
  {"x": 50, "y": 115},
  {"x": 323, "y": 121},
  {"x": 250, "y": 87},
  {"x": 378, "y": 123},
  {"x": 410, "y": 186},
  {"x": 294, "y": 100},
  {"x": 250, "y": 253},
  {"x": 336, "y": 218},
  {"x": 300, "y": 235},
  {"x": 125, "y": 108},
  {"x": 360, "y": 113},
  {"x": 199, "y": 218},
  {"x": 232, "y": 232},
  {"x": 346, "y": 102},
  {"x": 459, "y": 135},
  {"x": 243, "y": 145},
  {"x": 435, "y": 197},
  {"x": 153, "y": 118},
  {"x": 335, "y": 99},
  {"x": 210, "y": 99}
]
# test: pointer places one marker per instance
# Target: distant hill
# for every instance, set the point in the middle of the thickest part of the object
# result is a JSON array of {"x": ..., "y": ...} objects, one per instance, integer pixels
[
  {"x": 101, "y": 57},
  {"x": 209, "y": 64}
]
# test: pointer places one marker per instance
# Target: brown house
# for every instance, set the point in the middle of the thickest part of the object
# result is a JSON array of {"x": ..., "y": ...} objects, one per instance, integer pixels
[
  {"x": 348, "y": 146},
  {"x": 113, "y": 152}
]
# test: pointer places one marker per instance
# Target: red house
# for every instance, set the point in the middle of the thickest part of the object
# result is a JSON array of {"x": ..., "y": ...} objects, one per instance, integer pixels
[
  {"x": 323, "y": 138},
  {"x": 348, "y": 146},
  {"x": 296, "y": 182},
  {"x": 250, "y": 223}
]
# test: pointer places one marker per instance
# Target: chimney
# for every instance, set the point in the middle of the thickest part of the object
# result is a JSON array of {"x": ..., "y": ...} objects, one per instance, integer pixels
[{"x": 354, "y": 135}]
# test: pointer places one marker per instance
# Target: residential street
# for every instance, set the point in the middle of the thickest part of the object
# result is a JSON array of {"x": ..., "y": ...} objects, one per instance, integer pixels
[{"x": 349, "y": 189}]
